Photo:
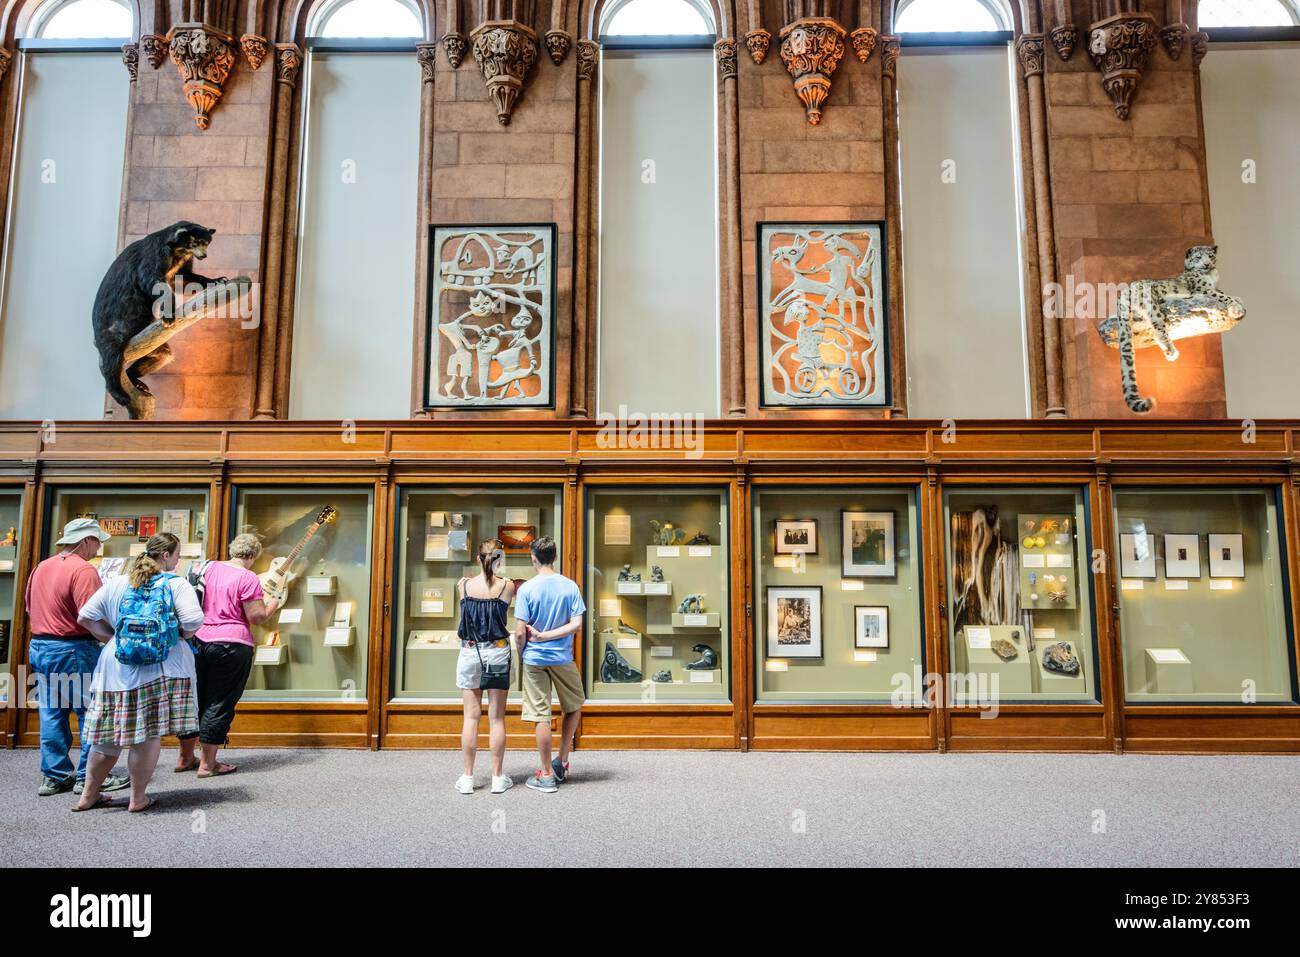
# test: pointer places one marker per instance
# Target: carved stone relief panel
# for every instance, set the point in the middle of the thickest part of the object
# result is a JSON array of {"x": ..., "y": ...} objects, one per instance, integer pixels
[
  {"x": 491, "y": 317},
  {"x": 823, "y": 314}
]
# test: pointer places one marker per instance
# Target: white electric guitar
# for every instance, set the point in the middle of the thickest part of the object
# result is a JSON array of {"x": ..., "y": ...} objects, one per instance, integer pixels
[{"x": 277, "y": 579}]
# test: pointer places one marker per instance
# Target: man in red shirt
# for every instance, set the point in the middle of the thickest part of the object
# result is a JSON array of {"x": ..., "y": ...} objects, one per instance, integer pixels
[{"x": 62, "y": 655}]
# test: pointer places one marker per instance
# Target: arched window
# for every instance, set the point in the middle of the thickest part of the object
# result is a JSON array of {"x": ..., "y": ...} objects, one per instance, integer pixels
[
  {"x": 1247, "y": 13},
  {"x": 656, "y": 18},
  {"x": 81, "y": 20},
  {"x": 658, "y": 325},
  {"x": 355, "y": 19},
  {"x": 950, "y": 16},
  {"x": 359, "y": 176},
  {"x": 67, "y": 169}
]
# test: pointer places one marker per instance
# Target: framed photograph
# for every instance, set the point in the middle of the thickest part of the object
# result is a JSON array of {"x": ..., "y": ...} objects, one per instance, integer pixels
[
  {"x": 490, "y": 330},
  {"x": 177, "y": 521},
  {"x": 516, "y": 539},
  {"x": 1227, "y": 558},
  {"x": 1137, "y": 556},
  {"x": 823, "y": 315},
  {"x": 796, "y": 536},
  {"x": 868, "y": 545},
  {"x": 794, "y": 622},
  {"x": 870, "y": 626},
  {"x": 148, "y": 527},
  {"x": 1182, "y": 556}
]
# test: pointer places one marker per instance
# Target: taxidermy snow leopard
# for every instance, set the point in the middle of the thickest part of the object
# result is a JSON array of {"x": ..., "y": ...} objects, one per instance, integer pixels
[{"x": 1154, "y": 312}]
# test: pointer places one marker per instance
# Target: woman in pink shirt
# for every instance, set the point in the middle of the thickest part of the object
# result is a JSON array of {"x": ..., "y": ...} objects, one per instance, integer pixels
[{"x": 223, "y": 656}]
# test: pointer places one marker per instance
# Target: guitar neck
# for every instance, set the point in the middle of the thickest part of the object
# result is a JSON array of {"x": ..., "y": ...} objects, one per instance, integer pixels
[{"x": 302, "y": 543}]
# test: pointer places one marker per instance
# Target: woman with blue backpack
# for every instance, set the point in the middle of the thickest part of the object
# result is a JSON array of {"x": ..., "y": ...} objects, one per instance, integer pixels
[{"x": 144, "y": 684}]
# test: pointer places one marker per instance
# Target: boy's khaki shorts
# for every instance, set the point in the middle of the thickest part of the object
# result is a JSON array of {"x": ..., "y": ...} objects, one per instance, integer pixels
[{"x": 538, "y": 681}]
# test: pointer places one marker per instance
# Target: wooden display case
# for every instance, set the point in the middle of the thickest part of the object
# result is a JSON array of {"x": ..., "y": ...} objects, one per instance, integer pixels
[{"x": 735, "y": 456}]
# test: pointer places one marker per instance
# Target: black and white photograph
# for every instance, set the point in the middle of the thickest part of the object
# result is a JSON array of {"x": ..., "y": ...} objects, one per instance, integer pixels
[
  {"x": 796, "y": 536},
  {"x": 1227, "y": 559},
  {"x": 871, "y": 627},
  {"x": 1182, "y": 556},
  {"x": 1137, "y": 555},
  {"x": 868, "y": 545},
  {"x": 794, "y": 622}
]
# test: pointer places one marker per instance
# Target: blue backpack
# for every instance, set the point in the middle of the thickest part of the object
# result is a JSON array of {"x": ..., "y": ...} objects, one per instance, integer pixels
[{"x": 147, "y": 628}]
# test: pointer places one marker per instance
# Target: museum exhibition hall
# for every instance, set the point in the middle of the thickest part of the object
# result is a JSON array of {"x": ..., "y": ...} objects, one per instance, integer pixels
[{"x": 910, "y": 375}]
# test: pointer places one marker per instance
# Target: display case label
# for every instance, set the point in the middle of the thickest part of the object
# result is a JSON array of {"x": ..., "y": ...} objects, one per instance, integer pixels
[
  {"x": 1220, "y": 584},
  {"x": 668, "y": 551},
  {"x": 864, "y": 656},
  {"x": 618, "y": 529},
  {"x": 290, "y": 616},
  {"x": 1168, "y": 656},
  {"x": 137, "y": 548},
  {"x": 700, "y": 551},
  {"x": 611, "y": 608},
  {"x": 775, "y": 664},
  {"x": 1059, "y": 561},
  {"x": 695, "y": 621},
  {"x": 1132, "y": 584},
  {"x": 1175, "y": 584},
  {"x": 1044, "y": 634},
  {"x": 339, "y": 637},
  {"x": 6, "y": 565},
  {"x": 979, "y": 638},
  {"x": 431, "y": 607},
  {"x": 657, "y": 588},
  {"x": 1032, "y": 560},
  {"x": 629, "y": 642},
  {"x": 320, "y": 584},
  {"x": 661, "y": 651},
  {"x": 191, "y": 550},
  {"x": 628, "y": 588},
  {"x": 517, "y": 516},
  {"x": 852, "y": 584},
  {"x": 702, "y": 677}
]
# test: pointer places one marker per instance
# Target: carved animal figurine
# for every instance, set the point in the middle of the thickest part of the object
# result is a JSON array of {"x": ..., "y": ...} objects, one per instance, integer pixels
[
  {"x": 708, "y": 659},
  {"x": 128, "y": 294},
  {"x": 625, "y": 574},
  {"x": 700, "y": 539},
  {"x": 662, "y": 677},
  {"x": 622, "y": 628},
  {"x": 1155, "y": 312},
  {"x": 666, "y": 533},
  {"x": 656, "y": 573},
  {"x": 1061, "y": 659},
  {"x": 614, "y": 668},
  {"x": 692, "y": 604}
]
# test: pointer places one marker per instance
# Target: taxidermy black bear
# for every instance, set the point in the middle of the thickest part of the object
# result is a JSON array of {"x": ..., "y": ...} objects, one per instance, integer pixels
[{"x": 132, "y": 295}]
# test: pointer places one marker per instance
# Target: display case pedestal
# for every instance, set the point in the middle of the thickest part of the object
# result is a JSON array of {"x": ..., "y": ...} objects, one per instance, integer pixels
[{"x": 1169, "y": 671}]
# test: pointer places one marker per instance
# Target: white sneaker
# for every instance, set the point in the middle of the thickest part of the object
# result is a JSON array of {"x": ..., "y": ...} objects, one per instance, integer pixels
[
  {"x": 503, "y": 783},
  {"x": 465, "y": 784}
]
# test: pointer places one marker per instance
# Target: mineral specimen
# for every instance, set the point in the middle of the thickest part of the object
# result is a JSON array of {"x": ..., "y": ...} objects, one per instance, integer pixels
[
  {"x": 1004, "y": 649},
  {"x": 1060, "y": 658}
]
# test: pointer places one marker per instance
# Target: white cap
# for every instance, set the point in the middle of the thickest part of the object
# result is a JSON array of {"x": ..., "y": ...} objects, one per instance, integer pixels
[{"x": 79, "y": 529}]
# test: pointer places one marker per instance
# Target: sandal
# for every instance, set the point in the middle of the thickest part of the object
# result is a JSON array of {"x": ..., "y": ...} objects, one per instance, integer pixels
[
  {"x": 102, "y": 801},
  {"x": 153, "y": 802},
  {"x": 188, "y": 767},
  {"x": 221, "y": 769}
]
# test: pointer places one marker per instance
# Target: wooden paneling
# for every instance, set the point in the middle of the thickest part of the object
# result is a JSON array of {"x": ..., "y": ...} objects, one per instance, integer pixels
[{"x": 735, "y": 454}]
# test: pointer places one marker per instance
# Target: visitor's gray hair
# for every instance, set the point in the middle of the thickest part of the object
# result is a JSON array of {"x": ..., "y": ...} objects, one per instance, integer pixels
[{"x": 246, "y": 546}]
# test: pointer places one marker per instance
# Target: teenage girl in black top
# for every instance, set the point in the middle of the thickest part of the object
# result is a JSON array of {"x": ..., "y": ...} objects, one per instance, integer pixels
[{"x": 484, "y": 662}]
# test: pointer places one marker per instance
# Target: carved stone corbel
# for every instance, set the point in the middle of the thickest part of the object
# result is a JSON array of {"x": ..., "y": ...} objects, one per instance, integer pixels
[
  {"x": 505, "y": 51},
  {"x": 1064, "y": 38},
  {"x": 1174, "y": 37},
  {"x": 1029, "y": 51},
  {"x": 864, "y": 42},
  {"x": 811, "y": 49},
  {"x": 454, "y": 44},
  {"x": 288, "y": 59},
  {"x": 890, "y": 47},
  {"x": 154, "y": 49},
  {"x": 204, "y": 56},
  {"x": 1120, "y": 47},
  {"x": 6, "y": 60},
  {"x": 254, "y": 49},
  {"x": 757, "y": 42},
  {"x": 588, "y": 58},
  {"x": 558, "y": 43},
  {"x": 131, "y": 59},
  {"x": 426, "y": 54},
  {"x": 724, "y": 51},
  {"x": 1200, "y": 41}
]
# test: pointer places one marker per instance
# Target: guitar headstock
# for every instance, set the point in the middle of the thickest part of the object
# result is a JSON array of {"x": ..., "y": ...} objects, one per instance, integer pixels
[{"x": 327, "y": 515}]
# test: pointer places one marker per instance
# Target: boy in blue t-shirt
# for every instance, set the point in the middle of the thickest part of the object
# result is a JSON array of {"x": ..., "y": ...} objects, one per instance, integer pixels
[{"x": 548, "y": 613}]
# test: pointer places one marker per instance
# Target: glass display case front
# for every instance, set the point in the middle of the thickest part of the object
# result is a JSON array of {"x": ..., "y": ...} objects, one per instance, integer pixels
[
  {"x": 1019, "y": 595},
  {"x": 658, "y": 595},
  {"x": 837, "y": 593},
  {"x": 317, "y": 538},
  {"x": 131, "y": 515},
  {"x": 1202, "y": 598},
  {"x": 11, "y": 510},
  {"x": 438, "y": 535}
]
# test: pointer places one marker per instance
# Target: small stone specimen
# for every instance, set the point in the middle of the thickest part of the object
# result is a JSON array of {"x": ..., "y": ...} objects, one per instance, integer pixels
[
  {"x": 614, "y": 668},
  {"x": 700, "y": 539},
  {"x": 663, "y": 677},
  {"x": 1061, "y": 659},
  {"x": 1004, "y": 649},
  {"x": 656, "y": 573},
  {"x": 708, "y": 658}
]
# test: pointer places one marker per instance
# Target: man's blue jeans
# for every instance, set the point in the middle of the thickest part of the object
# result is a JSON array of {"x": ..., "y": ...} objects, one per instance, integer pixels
[{"x": 66, "y": 666}]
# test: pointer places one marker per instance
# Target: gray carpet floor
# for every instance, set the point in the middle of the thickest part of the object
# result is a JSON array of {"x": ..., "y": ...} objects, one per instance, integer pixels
[{"x": 355, "y": 808}]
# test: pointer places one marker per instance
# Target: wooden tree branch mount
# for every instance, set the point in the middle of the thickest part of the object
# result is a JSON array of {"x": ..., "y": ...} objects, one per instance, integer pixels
[{"x": 218, "y": 299}]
